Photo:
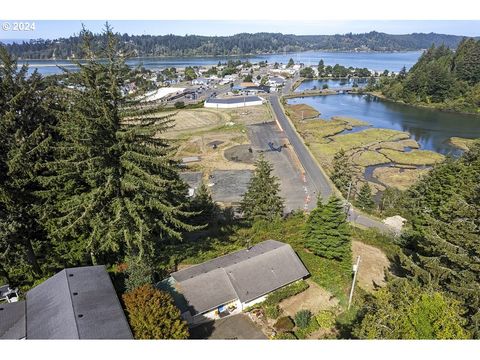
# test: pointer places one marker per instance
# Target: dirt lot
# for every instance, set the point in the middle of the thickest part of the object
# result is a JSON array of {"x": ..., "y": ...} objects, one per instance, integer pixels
[
  {"x": 373, "y": 264},
  {"x": 314, "y": 299}
]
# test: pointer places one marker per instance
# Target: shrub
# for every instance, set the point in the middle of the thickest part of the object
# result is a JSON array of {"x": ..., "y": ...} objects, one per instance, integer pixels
[
  {"x": 285, "y": 292},
  {"x": 302, "y": 318},
  {"x": 153, "y": 315},
  {"x": 284, "y": 324},
  {"x": 272, "y": 311},
  {"x": 179, "y": 104},
  {"x": 304, "y": 332},
  {"x": 325, "y": 86},
  {"x": 285, "y": 335},
  {"x": 325, "y": 319}
]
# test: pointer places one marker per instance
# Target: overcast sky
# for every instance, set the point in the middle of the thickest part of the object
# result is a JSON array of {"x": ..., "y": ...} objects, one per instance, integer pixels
[{"x": 64, "y": 28}]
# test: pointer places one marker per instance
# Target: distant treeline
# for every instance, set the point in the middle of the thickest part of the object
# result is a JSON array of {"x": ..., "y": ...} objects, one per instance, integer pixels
[
  {"x": 192, "y": 45},
  {"x": 441, "y": 78}
]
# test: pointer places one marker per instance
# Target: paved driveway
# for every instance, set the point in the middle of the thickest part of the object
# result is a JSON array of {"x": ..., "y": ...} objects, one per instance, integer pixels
[{"x": 236, "y": 327}]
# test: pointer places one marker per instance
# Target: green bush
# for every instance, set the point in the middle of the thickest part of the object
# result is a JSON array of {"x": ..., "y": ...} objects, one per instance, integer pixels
[
  {"x": 179, "y": 104},
  {"x": 302, "y": 318},
  {"x": 285, "y": 292},
  {"x": 284, "y": 324},
  {"x": 312, "y": 326},
  {"x": 286, "y": 335},
  {"x": 272, "y": 311},
  {"x": 325, "y": 319}
]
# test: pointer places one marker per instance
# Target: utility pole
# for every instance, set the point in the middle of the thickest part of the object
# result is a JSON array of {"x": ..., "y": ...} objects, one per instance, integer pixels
[{"x": 355, "y": 272}]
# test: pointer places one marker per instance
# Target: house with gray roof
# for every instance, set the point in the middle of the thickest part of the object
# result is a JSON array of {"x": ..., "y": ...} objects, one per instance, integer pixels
[
  {"x": 230, "y": 283},
  {"x": 76, "y": 303}
]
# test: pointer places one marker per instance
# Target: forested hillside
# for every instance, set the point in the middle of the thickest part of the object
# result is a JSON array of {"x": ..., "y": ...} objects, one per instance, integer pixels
[
  {"x": 441, "y": 78},
  {"x": 190, "y": 45}
]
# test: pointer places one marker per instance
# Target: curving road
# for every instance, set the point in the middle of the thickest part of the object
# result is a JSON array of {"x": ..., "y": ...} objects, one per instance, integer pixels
[{"x": 312, "y": 170}]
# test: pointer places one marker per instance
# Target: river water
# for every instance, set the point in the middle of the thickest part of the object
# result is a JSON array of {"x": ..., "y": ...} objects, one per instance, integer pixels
[
  {"x": 331, "y": 83},
  {"x": 378, "y": 61},
  {"x": 430, "y": 128}
]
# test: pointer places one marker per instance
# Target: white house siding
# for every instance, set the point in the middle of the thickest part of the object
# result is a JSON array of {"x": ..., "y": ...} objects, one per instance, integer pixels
[
  {"x": 213, "y": 314},
  {"x": 232, "y": 105},
  {"x": 253, "y": 302}
]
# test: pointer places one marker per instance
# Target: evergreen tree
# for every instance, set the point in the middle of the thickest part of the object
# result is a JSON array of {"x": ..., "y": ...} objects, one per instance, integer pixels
[
  {"x": 364, "y": 197},
  {"x": 139, "y": 273},
  {"x": 327, "y": 233},
  {"x": 443, "y": 246},
  {"x": 342, "y": 171},
  {"x": 321, "y": 68},
  {"x": 290, "y": 63},
  {"x": 26, "y": 125},
  {"x": 204, "y": 206},
  {"x": 262, "y": 200},
  {"x": 466, "y": 63},
  {"x": 113, "y": 188},
  {"x": 405, "y": 310}
]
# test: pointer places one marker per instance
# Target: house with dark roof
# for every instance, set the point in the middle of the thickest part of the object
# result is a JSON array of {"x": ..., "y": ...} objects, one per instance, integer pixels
[
  {"x": 76, "y": 303},
  {"x": 228, "y": 284}
]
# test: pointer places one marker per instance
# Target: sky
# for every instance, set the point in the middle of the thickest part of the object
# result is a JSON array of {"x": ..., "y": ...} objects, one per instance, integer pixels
[{"x": 52, "y": 29}]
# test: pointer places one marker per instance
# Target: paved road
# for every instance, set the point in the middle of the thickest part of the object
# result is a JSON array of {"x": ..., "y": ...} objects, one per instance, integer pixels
[
  {"x": 297, "y": 192},
  {"x": 311, "y": 168}
]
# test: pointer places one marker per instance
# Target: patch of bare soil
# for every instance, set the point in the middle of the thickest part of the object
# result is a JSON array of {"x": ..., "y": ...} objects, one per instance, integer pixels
[
  {"x": 314, "y": 299},
  {"x": 373, "y": 264}
]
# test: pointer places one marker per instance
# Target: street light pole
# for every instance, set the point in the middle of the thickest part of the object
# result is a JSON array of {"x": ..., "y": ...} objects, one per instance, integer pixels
[{"x": 355, "y": 272}]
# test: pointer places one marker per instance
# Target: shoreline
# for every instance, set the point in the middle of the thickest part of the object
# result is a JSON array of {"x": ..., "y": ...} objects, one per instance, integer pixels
[{"x": 240, "y": 55}]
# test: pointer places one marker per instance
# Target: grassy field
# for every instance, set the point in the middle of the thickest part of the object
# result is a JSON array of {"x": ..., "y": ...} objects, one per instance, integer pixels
[
  {"x": 462, "y": 143},
  {"x": 301, "y": 112},
  {"x": 398, "y": 178},
  {"x": 369, "y": 157},
  {"x": 193, "y": 121},
  {"x": 414, "y": 157}
]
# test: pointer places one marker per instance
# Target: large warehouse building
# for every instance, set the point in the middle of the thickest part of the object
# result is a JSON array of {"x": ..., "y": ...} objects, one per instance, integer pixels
[{"x": 233, "y": 102}]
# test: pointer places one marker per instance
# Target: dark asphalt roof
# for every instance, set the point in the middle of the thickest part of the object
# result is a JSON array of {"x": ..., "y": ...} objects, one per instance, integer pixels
[
  {"x": 76, "y": 303},
  {"x": 245, "y": 275},
  {"x": 234, "y": 100},
  {"x": 12, "y": 320}
]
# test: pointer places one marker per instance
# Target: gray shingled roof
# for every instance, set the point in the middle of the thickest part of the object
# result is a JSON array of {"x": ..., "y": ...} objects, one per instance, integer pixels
[
  {"x": 245, "y": 275},
  {"x": 12, "y": 320},
  {"x": 234, "y": 100},
  {"x": 76, "y": 303}
]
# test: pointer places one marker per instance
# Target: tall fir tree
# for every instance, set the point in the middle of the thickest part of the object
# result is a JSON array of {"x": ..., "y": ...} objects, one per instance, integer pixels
[
  {"x": 26, "y": 125},
  {"x": 113, "y": 188},
  {"x": 327, "y": 232},
  {"x": 262, "y": 200},
  {"x": 342, "y": 173},
  {"x": 443, "y": 247},
  {"x": 364, "y": 198}
]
